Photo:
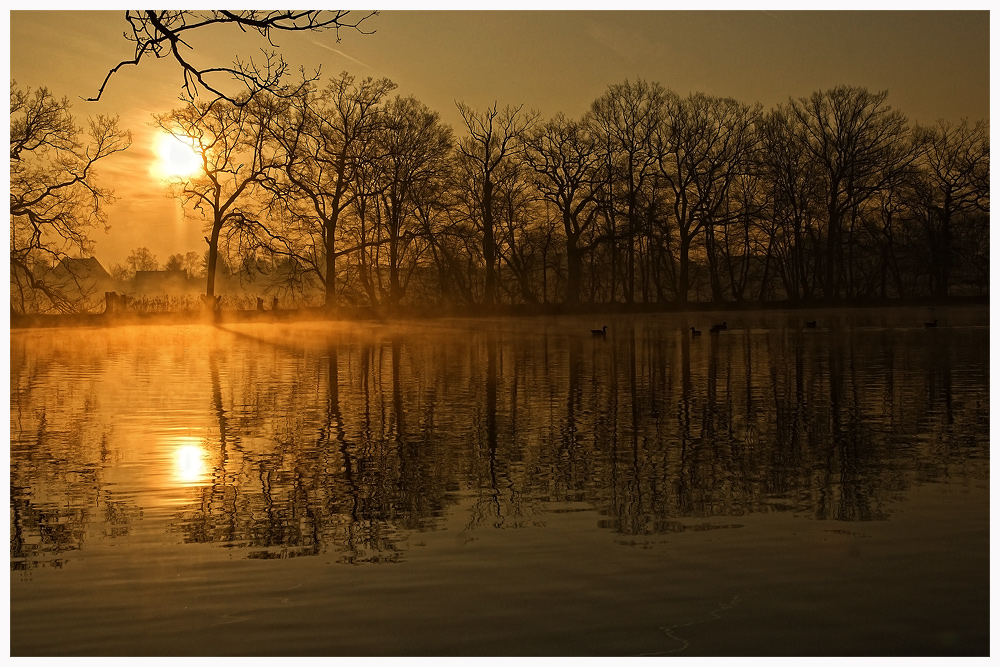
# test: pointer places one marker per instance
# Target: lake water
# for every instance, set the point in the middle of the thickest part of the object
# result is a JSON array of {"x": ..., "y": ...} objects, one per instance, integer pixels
[{"x": 504, "y": 487}]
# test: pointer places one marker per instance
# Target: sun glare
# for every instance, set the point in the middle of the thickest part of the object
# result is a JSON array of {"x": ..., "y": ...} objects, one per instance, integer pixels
[
  {"x": 189, "y": 464},
  {"x": 177, "y": 157}
]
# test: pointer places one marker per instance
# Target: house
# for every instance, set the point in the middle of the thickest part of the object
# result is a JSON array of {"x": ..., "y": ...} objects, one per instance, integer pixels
[{"x": 78, "y": 278}]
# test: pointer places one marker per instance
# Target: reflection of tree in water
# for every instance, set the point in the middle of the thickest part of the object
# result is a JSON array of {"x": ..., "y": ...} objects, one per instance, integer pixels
[
  {"x": 57, "y": 455},
  {"x": 661, "y": 433},
  {"x": 352, "y": 445},
  {"x": 498, "y": 447},
  {"x": 831, "y": 427},
  {"x": 305, "y": 470}
]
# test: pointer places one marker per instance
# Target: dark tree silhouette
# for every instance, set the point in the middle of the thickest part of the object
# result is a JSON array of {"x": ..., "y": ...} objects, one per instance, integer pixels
[
  {"x": 413, "y": 150},
  {"x": 791, "y": 176},
  {"x": 954, "y": 182},
  {"x": 858, "y": 143},
  {"x": 521, "y": 231},
  {"x": 54, "y": 199},
  {"x": 325, "y": 139},
  {"x": 495, "y": 138},
  {"x": 231, "y": 140},
  {"x": 625, "y": 119},
  {"x": 141, "y": 259},
  {"x": 704, "y": 145},
  {"x": 174, "y": 263},
  {"x": 357, "y": 199},
  {"x": 565, "y": 157}
]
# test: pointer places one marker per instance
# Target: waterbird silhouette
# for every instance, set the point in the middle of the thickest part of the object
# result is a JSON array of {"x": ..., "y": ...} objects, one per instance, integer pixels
[
  {"x": 931, "y": 325},
  {"x": 716, "y": 328},
  {"x": 602, "y": 332},
  {"x": 695, "y": 332},
  {"x": 811, "y": 324}
]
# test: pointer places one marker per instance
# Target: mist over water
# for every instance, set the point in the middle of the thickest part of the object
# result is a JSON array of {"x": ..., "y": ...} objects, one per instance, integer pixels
[{"x": 504, "y": 487}]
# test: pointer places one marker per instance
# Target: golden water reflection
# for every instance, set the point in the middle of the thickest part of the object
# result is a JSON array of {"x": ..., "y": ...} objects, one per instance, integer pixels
[{"x": 319, "y": 438}]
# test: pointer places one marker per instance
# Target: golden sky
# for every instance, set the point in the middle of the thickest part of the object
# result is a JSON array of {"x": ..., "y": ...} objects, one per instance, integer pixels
[{"x": 934, "y": 65}]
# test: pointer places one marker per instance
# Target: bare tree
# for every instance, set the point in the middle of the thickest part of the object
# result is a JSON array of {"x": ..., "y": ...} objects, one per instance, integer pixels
[
  {"x": 119, "y": 273},
  {"x": 954, "y": 183},
  {"x": 744, "y": 245},
  {"x": 326, "y": 138},
  {"x": 231, "y": 140},
  {"x": 565, "y": 157},
  {"x": 625, "y": 120},
  {"x": 413, "y": 149},
  {"x": 167, "y": 34},
  {"x": 54, "y": 199},
  {"x": 141, "y": 259},
  {"x": 858, "y": 143},
  {"x": 451, "y": 239},
  {"x": 792, "y": 176},
  {"x": 194, "y": 264},
  {"x": 495, "y": 138},
  {"x": 704, "y": 145},
  {"x": 521, "y": 232}
]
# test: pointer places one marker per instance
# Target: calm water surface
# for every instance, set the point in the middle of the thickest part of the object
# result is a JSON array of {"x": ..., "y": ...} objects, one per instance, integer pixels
[{"x": 504, "y": 487}]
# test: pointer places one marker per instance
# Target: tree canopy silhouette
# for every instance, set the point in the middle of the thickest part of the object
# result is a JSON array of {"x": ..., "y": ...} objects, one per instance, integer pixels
[{"x": 54, "y": 198}]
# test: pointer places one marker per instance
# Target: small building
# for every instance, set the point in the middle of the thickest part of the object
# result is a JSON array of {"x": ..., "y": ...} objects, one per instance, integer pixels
[{"x": 79, "y": 278}]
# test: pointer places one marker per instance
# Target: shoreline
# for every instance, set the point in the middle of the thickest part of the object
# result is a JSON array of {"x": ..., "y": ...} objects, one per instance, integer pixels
[{"x": 385, "y": 313}]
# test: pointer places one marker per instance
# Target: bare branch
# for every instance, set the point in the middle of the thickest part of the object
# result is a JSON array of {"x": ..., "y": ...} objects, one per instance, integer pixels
[{"x": 162, "y": 34}]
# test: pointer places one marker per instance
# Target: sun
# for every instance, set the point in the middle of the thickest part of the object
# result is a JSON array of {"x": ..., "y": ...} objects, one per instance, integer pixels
[{"x": 178, "y": 157}]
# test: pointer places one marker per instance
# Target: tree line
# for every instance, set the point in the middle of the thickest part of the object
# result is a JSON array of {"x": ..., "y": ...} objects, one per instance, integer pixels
[{"x": 343, "y": 193}]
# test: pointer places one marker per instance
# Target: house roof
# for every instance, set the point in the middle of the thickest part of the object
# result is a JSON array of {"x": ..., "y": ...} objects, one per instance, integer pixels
[{"x": 82, "y": 268}]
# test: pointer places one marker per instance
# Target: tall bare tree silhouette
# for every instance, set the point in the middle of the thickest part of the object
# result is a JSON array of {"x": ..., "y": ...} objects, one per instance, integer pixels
[{"x": 54, "y": 197}]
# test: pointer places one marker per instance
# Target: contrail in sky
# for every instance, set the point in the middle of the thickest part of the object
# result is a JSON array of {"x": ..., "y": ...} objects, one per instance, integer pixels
[
  {"x": 341, "y": 53},
  {"x": 777, "y": 17}
]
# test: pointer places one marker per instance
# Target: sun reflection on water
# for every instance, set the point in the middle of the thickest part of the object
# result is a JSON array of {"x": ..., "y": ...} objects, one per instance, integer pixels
[{"x": 190, "y": 463}]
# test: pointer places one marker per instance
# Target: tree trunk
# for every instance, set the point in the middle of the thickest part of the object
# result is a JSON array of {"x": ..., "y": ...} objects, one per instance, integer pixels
[
  {"x": 832, "y": 240},
  {"x": 944, "y": 256},
  {"x": 713, "y": 263},
  {"x": 489, "y": 244},
  {"x": 213, "y": 258},
  {"x": 630, "y": 259},
  {"x": 682, "y": 287},
  {"x": 331, "y": 261},
  {"x": 574, "y": 270},
  {"x": 394, "y": 289}
]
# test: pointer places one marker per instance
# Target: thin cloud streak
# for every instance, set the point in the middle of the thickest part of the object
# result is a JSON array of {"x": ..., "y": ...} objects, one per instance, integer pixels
[{"x": 342, "y": 54}]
